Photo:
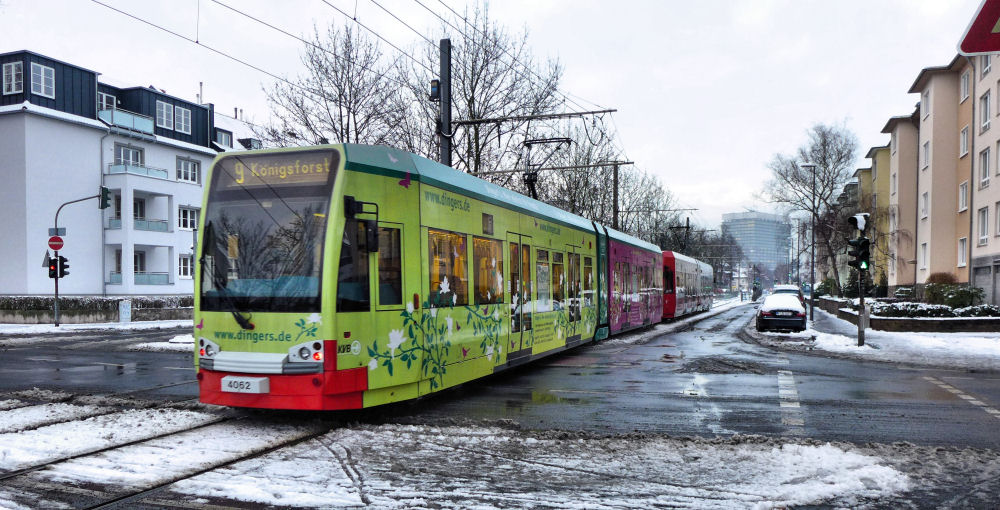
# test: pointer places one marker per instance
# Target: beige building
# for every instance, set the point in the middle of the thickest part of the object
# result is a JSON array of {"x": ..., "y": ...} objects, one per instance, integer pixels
[
  {"x": 980, "y": 89},
  {"x": 942, "y": 181},
  {"x": 902, "y": 256},
  {"x": 878, "y": 207}
]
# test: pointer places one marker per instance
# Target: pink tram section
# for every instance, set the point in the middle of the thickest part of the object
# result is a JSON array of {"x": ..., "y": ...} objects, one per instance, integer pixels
[
  {"x": 634, "y": 276},
  {"x": 687, "y": 285}
]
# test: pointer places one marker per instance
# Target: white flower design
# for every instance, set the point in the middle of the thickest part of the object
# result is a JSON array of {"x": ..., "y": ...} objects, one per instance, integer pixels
[
  {"x": 373, "y": 364},
  {"x": 496, "y": 314},
  {"x": 396, "y": 339},
  {"x": 450, "y": 322},
  {"x": 444, "y": 286},
  {"x": 409, "y": 308},
  {"x": 454, "y": 299},
  {"x": 315, "y": 318},
  {"x": 434, "y": 312},
  {"x": 489, "y": 352},
  {"x": 493, "y": 262},
  {"x": 499, "y": 281}
]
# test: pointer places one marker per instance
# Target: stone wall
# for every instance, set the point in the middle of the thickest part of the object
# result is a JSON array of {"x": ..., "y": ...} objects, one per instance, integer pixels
[{"x": 921, "y": 325}]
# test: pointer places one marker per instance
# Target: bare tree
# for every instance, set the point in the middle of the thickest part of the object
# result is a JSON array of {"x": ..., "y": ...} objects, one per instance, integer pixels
[
  {"x": 344, "y": 96},
  {"x": 834, "y": 150}
]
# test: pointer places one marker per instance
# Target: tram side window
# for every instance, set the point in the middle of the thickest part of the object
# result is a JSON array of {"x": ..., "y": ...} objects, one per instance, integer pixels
[
  {"x": 573, "y": 284},
  {"x": 390, "y": 267},
  {"x": 487, "y": 259},
  {"x": 668, "y": 281},
  {"x": 542, "y": 275},
  {"x": 526, "y": 267},
  {"x": 516, "y": 295},
  {"x": 449, "y": 283},
  {"x": 558, "y": 281},
  {"x": 352, "y": 277},
  {"x": 588, "y": 281}
]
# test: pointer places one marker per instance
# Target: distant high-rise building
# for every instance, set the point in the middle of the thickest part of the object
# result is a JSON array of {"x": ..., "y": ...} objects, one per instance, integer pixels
[{"x": 764, "y": 238}]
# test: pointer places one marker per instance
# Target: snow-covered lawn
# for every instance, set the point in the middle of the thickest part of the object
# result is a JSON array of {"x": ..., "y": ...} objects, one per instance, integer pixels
[{"x": 979, "y": 351}]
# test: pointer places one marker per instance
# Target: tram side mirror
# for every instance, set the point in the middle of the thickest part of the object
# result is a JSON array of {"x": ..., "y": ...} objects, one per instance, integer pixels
[{"x": 371, "y": 235}]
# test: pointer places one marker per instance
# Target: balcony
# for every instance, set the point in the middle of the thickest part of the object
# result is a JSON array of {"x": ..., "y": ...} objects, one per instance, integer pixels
[
  {"x": 114, "y": 223},
  {"x": 114, "y": 278},
  {"x": 135, "y": 169},
  {"x": 127, "y": 120},
  {"x": 151, "y": 225},
  {"x": 144, "y": 278}
]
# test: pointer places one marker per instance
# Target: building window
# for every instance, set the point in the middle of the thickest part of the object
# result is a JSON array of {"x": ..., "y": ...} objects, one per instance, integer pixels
[
  {"x": 105, "y": 101},
  {"x": 984, "y": 111},
  {"x": 984, "y": 63},
  {"x": 962, "y": 249},
  {"x": 187, "y": 218},
  {"x": 925, "y": 104},
  {"x": 185, "y": 268},
  {"x": 983, "y": 218},
  {"x": 164, "y": 115},
  {"x": 125, "y": 155},
  {"x": 892, "y": 142},
  {"x": 13, "y": 78},
  {"x": 926, "y": 154},
  {"x": 223, "y": 138},
  {"x": 188, "y": 170},
  {"x": 965, "y": 86},
  {"x": 139, "y": 208},
  {"x": 923, "y": 205},
  {"x": 963, "y": 196},
  {"x": 139, "y": 259},
  {"x": 963, "y": 142},
  {"x": 923, "y": 256},
  {"x": 984, "y": 167},
  {"x": 893, "y": 182},
  {"x": 43, "y": 81},
  {"x": 996, "y": 210},
  {"x": 183, "y": 120}
]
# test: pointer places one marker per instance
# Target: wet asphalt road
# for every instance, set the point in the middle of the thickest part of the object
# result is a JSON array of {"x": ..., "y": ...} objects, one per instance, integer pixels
[{"x": 709, "y": 379}]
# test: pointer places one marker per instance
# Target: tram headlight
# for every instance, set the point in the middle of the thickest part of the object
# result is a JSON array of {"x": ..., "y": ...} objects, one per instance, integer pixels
[
  {"x": 305, "y": 353},
  {"x": 207, "y": 348}
]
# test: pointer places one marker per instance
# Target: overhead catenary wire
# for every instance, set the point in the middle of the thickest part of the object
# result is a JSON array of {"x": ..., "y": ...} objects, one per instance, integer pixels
[
  {"x": 565, "y": 95},
  {"x": 379, "y": 36},
  {"x": 203, "y": 45},
  {"x": 310, "y": 43}
]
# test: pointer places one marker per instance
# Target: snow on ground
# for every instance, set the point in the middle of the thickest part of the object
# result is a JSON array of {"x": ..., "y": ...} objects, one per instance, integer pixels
[
  {"x": 35, "y": 329},
  {"x": 21, "y": 418},
  {"x": 979, "y": 351},
  {"x": 179, "y": 343},
  {"x": 718, "y": 306}
]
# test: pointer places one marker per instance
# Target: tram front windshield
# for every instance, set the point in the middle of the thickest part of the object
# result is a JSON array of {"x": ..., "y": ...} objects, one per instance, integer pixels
[{"x": 265, "y": 226}]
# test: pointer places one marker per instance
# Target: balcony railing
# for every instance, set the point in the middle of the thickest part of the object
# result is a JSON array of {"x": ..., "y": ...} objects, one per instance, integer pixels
[
  {"x": 132, "y": 168},
  {"x": 128, "y": 120},
  {"x": 114, "y": 223},
  {"x": 114, "y": 278},
  {"x": 151, "y": 225},
  {"x": 143, "y": 278}
]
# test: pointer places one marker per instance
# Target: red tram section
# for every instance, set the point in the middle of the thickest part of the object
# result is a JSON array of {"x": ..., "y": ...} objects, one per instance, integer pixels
[{"x": 687, "y": 285}]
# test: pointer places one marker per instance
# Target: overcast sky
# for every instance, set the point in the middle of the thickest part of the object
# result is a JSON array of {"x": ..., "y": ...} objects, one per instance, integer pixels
[{"x": 706, "y": 91}]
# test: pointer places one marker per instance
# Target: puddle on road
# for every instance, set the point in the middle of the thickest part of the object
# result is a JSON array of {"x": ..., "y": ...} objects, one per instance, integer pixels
[{"x": 719, "y": 365}]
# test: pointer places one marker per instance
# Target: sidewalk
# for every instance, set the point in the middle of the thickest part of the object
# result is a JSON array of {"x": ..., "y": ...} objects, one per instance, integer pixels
[{"x": 962, "y": 351}]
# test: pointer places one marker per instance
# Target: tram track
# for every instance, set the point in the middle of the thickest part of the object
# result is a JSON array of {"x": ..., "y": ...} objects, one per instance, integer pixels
[{"x": 53, "y": 481}]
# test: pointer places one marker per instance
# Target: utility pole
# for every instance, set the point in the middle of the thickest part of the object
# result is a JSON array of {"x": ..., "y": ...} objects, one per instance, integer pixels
[
  {"x": 614, "y": 199},
  {"x": 445, "y": 132}
]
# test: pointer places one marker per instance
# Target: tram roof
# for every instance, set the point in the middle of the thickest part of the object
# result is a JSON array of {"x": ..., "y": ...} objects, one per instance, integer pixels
[{"x": 384, "y": 160}]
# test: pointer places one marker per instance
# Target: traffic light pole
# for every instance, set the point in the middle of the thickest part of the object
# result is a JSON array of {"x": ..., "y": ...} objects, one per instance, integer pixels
[
  {"x": 55, "y": 304},
  {"x": 861, "y": 308}
]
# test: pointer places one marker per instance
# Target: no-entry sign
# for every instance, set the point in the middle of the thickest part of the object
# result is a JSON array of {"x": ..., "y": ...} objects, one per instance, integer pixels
[{"x": 55, "y": 243}]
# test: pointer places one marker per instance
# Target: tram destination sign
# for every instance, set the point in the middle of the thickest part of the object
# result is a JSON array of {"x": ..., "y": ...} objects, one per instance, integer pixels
[{"x": 276, "y": 169}]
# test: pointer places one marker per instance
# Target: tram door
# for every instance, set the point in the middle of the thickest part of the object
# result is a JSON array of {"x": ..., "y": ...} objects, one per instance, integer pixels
[{"x": 521, "y": 300}]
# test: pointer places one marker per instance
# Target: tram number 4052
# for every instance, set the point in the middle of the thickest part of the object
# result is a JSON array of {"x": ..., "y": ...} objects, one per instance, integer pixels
[{"x": 236, "y": 384}]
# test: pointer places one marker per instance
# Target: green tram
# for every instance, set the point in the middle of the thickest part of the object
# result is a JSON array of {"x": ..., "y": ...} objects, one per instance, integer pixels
[{"x": 349, "y": 276}]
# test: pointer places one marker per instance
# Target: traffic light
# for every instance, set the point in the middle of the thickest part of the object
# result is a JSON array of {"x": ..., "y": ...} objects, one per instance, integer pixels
[
  {"x": 860, "y": 252},
  {"x": 63, "y": 266},
  {"x": 53, "y": 268},
  {"x": 104, "y": 198},
  {"x": 859, "y": 221}
]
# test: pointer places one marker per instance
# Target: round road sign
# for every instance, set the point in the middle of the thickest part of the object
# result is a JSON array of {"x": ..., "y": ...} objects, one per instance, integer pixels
[{"x": 55, "y": 242}]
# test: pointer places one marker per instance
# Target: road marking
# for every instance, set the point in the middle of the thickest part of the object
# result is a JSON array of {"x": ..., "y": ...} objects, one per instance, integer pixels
[
  {"x": 964, "y": 396},
  {"x": 788, "y": 398}
]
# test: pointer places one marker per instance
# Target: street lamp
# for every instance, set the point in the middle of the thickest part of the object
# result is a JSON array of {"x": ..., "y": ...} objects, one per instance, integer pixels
[{"x": 812, "y": 256}]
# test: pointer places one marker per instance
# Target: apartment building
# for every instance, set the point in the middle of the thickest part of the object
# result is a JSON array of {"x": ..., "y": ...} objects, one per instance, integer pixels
[
  {"x": 943, "y": 173},
  {"x": 878, "y": 207},
  {"x": 64, "y": 133},
  {"x": 981, "y": 90},
  {"x": 904, "y": 138}
]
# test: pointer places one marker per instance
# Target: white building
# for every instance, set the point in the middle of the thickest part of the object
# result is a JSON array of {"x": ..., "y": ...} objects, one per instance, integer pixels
[{"x": 63, "y": 135}]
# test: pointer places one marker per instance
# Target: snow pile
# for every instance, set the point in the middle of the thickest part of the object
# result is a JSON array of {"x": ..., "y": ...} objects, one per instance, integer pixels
[{"x": 179, "y": 343}]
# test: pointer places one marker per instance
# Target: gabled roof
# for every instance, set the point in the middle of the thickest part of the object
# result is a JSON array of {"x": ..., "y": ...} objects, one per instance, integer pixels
[
  {"x": 872, "y": 152},
  {"x": 925, "y": 74},
  {"x": 890, "y": 125}
]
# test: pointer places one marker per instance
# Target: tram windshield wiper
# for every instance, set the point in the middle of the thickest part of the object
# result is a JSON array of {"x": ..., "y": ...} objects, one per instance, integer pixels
[{"x": 219, "y": 280}]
